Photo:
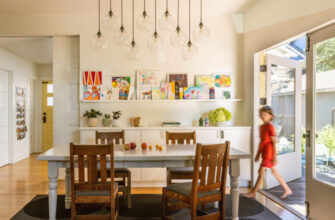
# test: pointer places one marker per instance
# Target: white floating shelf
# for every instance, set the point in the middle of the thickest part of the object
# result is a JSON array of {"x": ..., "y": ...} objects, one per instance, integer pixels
[{"x": 162, "y": 100}]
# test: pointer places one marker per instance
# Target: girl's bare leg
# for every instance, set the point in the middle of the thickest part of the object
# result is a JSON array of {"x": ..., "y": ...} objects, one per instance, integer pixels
[
  {"x": 252, "y": 193},
  {"x": 287, "y": 190}
]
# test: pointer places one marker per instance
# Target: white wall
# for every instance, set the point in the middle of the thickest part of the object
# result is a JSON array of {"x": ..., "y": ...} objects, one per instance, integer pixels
[
  {"x": 44, "y": 71},
  {"x": 220, "y": 54},
  {"x": 22, "y": 71},
  {"x": 263, "y": 13}
]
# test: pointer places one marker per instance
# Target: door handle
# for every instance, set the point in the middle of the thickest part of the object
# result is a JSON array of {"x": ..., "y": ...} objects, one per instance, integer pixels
[{"x": 44, "y": 117}]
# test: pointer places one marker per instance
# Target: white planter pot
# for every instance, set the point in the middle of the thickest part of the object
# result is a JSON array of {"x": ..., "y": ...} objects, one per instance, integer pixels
[
  {"x": 92, "y": 122},
  {"x": 220, "y": 124},
  {"x": 115, "y": 123}
]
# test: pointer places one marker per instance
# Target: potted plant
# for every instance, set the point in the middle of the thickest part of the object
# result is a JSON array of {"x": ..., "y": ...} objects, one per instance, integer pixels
[
  {"x": 92, "y": 117},
  {"x": 116, "y": 116},
  {"x": 219, "y": 116},
  {"x": 106, "y": 120}
]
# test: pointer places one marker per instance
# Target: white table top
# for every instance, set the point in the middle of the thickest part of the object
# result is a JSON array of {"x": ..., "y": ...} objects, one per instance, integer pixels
[{"x": 169, "y": 152}]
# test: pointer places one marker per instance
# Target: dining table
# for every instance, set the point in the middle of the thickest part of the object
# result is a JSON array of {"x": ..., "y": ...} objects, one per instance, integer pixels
[{"x": 174, "y": 155}]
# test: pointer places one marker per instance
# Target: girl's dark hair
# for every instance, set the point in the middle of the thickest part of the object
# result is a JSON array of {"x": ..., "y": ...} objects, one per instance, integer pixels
[{"x": 268, "y": 110}]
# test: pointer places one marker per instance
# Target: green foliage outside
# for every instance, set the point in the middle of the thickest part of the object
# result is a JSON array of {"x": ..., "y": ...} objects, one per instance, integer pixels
[
  {"x": 327, "y": 138},
  {"x": 325, "y": 55}
]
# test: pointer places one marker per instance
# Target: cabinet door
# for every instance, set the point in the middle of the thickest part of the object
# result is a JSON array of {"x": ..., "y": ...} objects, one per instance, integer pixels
[
  {"x": 87, "y": 137},
  {"x": 153, "y": 137},
  {"x": 208, "y": 136}
]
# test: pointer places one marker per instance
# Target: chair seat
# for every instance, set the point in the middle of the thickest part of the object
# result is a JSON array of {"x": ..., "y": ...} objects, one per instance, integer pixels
[
  {"x": 121, "y": 170},
  {"x": 186, "y": 188},
  {"x": 95, "y": 192},
  {"x": 181, "y": 170}
]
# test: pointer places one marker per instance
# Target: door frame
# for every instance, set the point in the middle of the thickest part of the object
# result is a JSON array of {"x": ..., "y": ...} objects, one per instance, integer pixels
[
  {"x": 316, "y": 36},
  {"x": 11, "y": 103}
]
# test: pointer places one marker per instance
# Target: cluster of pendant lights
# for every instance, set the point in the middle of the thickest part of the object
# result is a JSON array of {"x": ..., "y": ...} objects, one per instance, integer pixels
[{"x": 166, "y": 22}]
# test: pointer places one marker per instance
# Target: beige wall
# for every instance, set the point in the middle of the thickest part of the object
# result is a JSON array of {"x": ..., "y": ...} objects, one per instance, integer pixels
[
  {"x": 44, "y": 71},
  {"x": 263, "y": 13}
]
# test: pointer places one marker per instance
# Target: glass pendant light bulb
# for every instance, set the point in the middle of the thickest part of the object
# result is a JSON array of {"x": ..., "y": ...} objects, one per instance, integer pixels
[
  {"x": 201, "y": 33},
  {"x": 155, "y": 44},
  {"x": 133, "y": 52},
  {"x": 99, "y": 42},
  {"x": 189, "y": 52},
  {"x": 121, "y": 37},
  {"x": 178, "y": 38},
  {"x": 111, "y": 22},
  {"x": 166, "y": 21},
  {"x": 144, "y": 21}
]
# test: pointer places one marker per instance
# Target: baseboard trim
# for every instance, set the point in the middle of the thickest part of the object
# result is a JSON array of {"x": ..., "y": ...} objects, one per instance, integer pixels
[
  {"x": 282, "y": 204},
  {"x": 17, "y": 158}
]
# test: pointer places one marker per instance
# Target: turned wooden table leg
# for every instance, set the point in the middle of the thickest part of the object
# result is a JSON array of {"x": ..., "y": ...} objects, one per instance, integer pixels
[
  {"x": 53, "y": 177},
  {"x": 234, "y": 172},
  {"x": 67, "y": 188}
]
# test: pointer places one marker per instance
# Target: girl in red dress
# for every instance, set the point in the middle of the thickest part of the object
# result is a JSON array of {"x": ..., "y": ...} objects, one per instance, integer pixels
[{"x": 267, "y": 149}]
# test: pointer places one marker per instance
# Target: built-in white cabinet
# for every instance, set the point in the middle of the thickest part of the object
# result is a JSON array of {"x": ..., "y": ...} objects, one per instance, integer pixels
[{"x": 240, "y": 138}]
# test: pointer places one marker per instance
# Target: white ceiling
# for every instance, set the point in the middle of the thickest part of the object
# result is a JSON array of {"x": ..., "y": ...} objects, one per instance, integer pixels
[
  {"x": 34, "y": 49},
  {"x": 89, "y": 6}
]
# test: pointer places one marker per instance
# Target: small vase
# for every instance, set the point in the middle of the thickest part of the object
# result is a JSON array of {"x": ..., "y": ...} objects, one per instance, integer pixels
[
  {"x": 92, "y": 122},
  {"x": 115, "y": 123},
  {"x": 220, "y": 124},
  {"x": 106, "y": 122}
]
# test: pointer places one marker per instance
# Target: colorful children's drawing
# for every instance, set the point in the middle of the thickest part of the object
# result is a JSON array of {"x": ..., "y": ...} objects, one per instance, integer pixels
[
  {"x": 123, "y": 93},
  {"x": 222, "y": 80},
  {"x": 195, "y": 93},
  {"x": 92, "y": 78},
  {"x": 205, "y": 79},
  {"x": 156, "y": 93},
  {"x": 146, "y": 80},
  {"x": 121, "y": 81},
  {"x": 171, "y": 90},
  {"x": 181, "y": 78},
  {"x": 163, "y": 90},
  {"x": 91, "y": 92}
]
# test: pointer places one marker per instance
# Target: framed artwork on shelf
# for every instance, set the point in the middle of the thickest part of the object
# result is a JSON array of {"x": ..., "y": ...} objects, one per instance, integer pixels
[
  {"x": 181, "y": 78},
  {"x": 106, "y": 93},
  {"x": 196, "y": 92},
  {"x": 123, "y": 83},
  {"x": 204, "y": 79},
  {"x": 146, "y": 80},
  {"x": 223, "y": 85},
  {"x": 91, "y": 85}
]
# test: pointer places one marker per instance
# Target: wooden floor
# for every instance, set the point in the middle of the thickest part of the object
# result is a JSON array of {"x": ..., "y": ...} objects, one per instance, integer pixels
[{"x": 20, "y": 182}]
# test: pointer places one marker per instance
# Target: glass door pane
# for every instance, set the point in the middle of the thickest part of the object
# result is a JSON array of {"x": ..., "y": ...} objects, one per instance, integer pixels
[
  {"x": 324, "y": 159},
  {"x": 283, "y": 104}
]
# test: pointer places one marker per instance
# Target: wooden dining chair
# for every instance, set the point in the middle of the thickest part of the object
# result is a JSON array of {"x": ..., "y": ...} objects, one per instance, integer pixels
[
  {"x": 207, "y": 186},
  {"x": 89, "y": 189},
  {"x": 179, "y": 172},
  {"x": 123, "y": 173}
]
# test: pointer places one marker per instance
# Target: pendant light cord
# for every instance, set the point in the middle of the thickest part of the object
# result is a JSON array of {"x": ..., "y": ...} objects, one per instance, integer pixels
[
  {"x": 155, "y": 16},
  {"x": 144, "y": 12},
  {"x": 189, "y": 20},
  {"x": 99, "y": 33},
  {"x": 121, "y": 13},
  {"x": 110, "y": 5},
  {"x": 178, "y": 15},
  {"x": 201, "y": 11},
  {"x": 167, "y": 6},
  {"x": 133, "y": 24}
]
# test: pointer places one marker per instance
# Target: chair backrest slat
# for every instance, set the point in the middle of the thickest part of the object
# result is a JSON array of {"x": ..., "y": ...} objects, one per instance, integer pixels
[
  {"x": 210, "y": 167},
  {"x": 103, "y": 169},
  {"x": 81, "y": 168},
  {"x": 180, "y": 137},
  {"x": 109, "y": 137}
]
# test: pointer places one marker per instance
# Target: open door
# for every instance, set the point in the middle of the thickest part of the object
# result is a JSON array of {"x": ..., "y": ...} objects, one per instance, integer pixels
[
  {"x": 283, "y": 94},
  {"x": 320, "y": 131}
]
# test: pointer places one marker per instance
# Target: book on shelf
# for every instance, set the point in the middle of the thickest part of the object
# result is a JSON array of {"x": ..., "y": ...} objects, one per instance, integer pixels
[{"x": 172, "y": 123}]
